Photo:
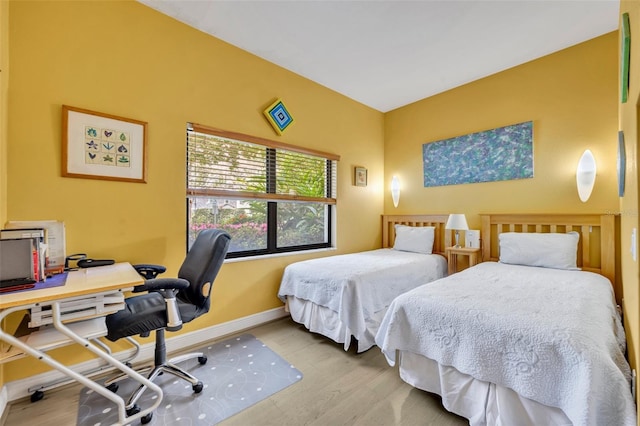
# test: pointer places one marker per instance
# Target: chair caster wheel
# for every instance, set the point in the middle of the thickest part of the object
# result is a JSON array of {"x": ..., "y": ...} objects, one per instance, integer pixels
[
  {"x": 146, "y": 419},
  {"x": 202, "y": 359},
  {"x": 113, "y": 387},
  {"x": 197, "y": 388},
  {"x": 133, "y": 410},
  {"x": 37, "y": 396}
]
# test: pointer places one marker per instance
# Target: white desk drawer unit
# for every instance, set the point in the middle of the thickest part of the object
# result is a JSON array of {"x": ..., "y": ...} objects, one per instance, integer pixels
[
  {"x": 84, "y": 315},
  {"x": 78, "y": 308}
]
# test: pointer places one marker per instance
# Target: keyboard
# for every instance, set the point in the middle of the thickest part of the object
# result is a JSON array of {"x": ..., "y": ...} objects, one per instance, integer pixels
[{"x": 16, "y": 284}]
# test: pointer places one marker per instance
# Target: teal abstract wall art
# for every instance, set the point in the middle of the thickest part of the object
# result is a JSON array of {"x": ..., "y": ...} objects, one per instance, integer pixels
[{"x": 505, "y": 153}]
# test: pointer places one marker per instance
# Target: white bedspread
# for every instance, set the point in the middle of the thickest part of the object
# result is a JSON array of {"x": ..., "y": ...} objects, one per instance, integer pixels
[
  {"x": 552, "y": 336},
  {"x": 358, "y": 285}
]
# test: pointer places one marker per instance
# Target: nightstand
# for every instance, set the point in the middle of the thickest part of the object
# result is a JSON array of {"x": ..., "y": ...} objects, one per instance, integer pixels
[{"x": 453, "y": 253}]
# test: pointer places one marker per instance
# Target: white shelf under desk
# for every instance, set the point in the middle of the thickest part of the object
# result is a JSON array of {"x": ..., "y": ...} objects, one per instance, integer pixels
[{"x": 47, "y": 338}]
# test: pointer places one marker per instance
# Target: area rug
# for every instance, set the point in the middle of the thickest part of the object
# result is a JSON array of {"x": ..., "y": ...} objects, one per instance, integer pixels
[{"x": 240, "y": 372}]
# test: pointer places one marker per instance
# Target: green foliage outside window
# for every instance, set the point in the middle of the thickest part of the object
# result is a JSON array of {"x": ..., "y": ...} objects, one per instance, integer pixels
[{"x": 224, "y": 164}]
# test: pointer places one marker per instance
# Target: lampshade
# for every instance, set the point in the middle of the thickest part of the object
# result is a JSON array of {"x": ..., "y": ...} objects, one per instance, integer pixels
[
  {"x": 586, "y": 175},
  {"x": 395, "y": 190},
  {"x": 457, "y": 222}
]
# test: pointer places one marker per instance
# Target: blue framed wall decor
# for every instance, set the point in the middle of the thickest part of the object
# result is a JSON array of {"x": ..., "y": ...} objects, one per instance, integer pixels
[
  {"x": 504, "y": 153},
  {"x": 278, "y": 116}
]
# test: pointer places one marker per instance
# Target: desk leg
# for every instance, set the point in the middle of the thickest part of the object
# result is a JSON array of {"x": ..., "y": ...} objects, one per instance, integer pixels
[
  {"x": 57, "y": 323},
  {"x": 42, "y": 356}
]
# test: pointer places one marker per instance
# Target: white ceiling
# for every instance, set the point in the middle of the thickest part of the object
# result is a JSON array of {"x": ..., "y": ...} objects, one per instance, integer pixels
[{"x": 389, "y": 53}]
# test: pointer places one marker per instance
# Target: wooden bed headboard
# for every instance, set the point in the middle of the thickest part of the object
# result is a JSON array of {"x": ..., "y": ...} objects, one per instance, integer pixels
[
  {"x": 441, "y": 240},
  {"x": 596, "y": 248}
]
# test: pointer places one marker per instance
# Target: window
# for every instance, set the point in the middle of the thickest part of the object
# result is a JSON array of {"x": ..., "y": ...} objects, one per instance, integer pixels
[{"x": 269, "y": 196}]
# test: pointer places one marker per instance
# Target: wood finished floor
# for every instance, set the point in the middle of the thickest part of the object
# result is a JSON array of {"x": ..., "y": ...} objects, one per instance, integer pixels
[{"x": 338, "y": 388}]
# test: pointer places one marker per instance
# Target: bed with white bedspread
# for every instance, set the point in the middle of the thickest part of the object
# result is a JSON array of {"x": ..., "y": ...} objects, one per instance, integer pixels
[
  {"x": 506, "y": 343},
  {"x": 347, "y": 295}
]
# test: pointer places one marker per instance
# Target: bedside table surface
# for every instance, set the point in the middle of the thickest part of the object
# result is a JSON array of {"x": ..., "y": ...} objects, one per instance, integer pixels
[{"x": 462, "y": 250}]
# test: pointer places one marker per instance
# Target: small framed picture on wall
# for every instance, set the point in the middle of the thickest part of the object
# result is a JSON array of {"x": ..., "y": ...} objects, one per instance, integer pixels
[
  {"x": 360, "y": 176},
  {"x": 103, "y": 146}
]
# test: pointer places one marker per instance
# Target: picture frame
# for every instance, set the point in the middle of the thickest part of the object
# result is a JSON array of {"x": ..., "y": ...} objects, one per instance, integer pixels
[
  {"x": 621, "y": 163},
  {"x": 360, "y": 176},
  {"x": 500, "y": 154},
  {"x": 625, "y": 54},
  {"x": 96, "y": 145},
  {"x": 278, "y": 116}
]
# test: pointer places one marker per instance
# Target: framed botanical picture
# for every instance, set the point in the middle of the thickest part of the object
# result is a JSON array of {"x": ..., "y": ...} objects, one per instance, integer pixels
[
  {"x": 103, "y": 146},
  {"x": 360, "y": 176}
]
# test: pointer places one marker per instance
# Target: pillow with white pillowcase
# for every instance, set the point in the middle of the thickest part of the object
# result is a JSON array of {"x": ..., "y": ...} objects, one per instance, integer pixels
[
  {"x": 417, "y": 239},
  {"x": 550, "y": 250}
]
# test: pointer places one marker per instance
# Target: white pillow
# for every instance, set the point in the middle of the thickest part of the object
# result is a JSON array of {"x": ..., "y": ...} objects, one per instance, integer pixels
[
  {"x": 418, "y": 239},
  {"x": 551, "y": 250}
]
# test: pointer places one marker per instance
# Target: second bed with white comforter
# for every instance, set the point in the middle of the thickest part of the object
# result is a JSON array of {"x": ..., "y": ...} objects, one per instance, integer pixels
[{"x": 552, "y": 336}]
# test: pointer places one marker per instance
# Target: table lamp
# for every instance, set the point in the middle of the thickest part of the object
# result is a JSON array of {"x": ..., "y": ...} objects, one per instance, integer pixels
[{"x": 457, "y": 222}]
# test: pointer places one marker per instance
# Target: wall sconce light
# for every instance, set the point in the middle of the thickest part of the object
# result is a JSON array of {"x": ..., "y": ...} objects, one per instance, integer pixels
[
  {"x": 457, "y": 222},
  {"x": 586, "y": 175},
  {"x": 395, "y": 190}
]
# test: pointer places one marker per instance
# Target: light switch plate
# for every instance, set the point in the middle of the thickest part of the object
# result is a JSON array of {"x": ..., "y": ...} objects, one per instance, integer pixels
[{"x": 634, "y": 250}]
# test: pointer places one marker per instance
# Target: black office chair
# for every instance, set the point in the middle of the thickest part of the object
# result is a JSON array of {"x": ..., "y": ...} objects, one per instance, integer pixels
[{"x": 169, "y": 303}]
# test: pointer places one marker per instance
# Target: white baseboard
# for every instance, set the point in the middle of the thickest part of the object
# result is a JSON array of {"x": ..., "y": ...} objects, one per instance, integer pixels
[{"x": 20, "y": 388}]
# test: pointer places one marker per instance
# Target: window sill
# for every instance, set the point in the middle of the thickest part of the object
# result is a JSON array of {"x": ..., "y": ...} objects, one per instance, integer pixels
[{"x": 268, "y": 256}]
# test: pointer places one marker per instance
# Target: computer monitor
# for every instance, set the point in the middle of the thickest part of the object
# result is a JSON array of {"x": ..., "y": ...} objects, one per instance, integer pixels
[{"x": 16, "y": 259}]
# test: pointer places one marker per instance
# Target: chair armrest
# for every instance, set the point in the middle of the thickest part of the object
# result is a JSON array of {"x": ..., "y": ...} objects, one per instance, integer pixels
[
  {"x": 149, "y": 270},
  {"x": 158, "y": 284},
  {"x": 168, "y": 288}
]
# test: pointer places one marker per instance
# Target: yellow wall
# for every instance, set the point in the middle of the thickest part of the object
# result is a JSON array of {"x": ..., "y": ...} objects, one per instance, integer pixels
[
  {"x": 4, "y": 83},
  {"x": 628, "y": 123},
  {"x": 123, "y": 58},
  {"x": 571, "y": 98}
]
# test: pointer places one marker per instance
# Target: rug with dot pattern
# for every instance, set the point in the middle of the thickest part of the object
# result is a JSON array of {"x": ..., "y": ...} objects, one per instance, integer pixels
[{"x": 240, "y": 372}]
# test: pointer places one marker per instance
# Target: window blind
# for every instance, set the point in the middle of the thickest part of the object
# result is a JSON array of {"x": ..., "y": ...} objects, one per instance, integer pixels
[{"x": 228, "y": 164}]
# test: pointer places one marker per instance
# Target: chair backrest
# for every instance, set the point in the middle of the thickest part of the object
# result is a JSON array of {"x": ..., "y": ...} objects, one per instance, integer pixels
[{"x": 202, "y": 264}]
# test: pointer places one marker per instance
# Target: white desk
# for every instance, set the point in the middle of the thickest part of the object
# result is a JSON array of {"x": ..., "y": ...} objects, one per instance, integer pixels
[{"x": 89, "y": 289}]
